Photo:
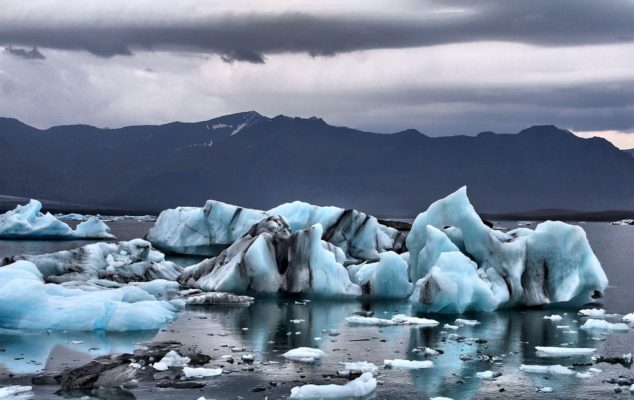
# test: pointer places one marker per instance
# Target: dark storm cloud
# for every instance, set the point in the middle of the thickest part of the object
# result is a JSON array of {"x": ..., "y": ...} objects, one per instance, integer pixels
[
  {"x": 33, "y": 54},
  {"x": 251, "y": 36}
]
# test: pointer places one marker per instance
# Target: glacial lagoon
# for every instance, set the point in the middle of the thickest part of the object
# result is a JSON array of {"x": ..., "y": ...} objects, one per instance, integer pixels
[{"x": 502, "y": 342}]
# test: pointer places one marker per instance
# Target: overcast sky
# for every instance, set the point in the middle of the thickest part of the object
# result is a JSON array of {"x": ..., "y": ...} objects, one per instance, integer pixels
[{"x": 442, "y": 67}]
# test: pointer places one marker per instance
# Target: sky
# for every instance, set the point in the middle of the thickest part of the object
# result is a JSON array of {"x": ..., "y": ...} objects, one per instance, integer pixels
[{"x": 442, "y": 67}]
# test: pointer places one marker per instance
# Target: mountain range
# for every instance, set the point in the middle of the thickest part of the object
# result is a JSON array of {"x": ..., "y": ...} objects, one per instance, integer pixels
[{"x": 255, "y": 161}]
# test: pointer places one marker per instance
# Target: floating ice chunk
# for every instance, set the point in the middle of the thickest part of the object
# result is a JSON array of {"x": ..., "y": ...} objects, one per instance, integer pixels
[
  {"x": 552, "y": 264},
  {"x": 441, "y": 398},
  {"x": 121, "y": 262},
  {"x": 466, "y": 322},
  {"x": 398, "y": 319},
  {"x": 547, "y": 369},
  {"x": 218, "y": 298},
  {"x": 603, "y": 325},
  {"x": 359, "y": 235},
  {"x": 487, "y": 375},
  {"x": 171, "y": 359},
  {"x": 360, "y": 387},
  {"x": 592, "y": 312},
  {"x": 449, "y": 326},
  {"x": 545, "y": 389},
  {"x": 26, "y": 302},
  {"x": 28, "y": 221},
  {"x": 253, "y": 264},
  {"x": 563, "y": 351},
  {"x": 553, "y": 317},
  {"x": 93, "y": 228},
  {"x": 358, "y": 367},
  {"x": 304, "y": 354},
  {"x": 384, "y": 279},
  {"x": 204, "y": 231},
  {"x": 16, "y": 392},
  {"x": 454, "y": 286},
  {"x": 430, "y": 352},
  {"x": 201, "y": 372},
  {"x": 628, "y": 317},
  {"x": 408, "y": 364}
]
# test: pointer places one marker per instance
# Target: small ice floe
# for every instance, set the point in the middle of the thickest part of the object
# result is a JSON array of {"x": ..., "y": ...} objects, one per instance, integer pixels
[
  {"x": 16, "y": 392},
  {"x": 563, "y": 326},
  {"x": 487, "y": 375},
  {"x": 628, "y": 317},
  {"x": 592, "y": 312},
  {"x": 466, "y": 322},
  {"x": 360, "y": 387},
  {"x": 399, "y": 319},
  {"x": 449, "y": 326},
  {"x": 358, "y": 368},
  {"x": 408, "y": 364},
  {"x": 76, "y": 341},
  {"x": 553, "y": 317},
  {"x": 218, "y": 298},
  {"x": 431, "y": 352},
  {"x": 547, "y": 369},
  {"x": 441, "y": 398},
  {"x": 201, "y": 372},
  {"x": 171, "y": 359},
  {"x": 545, "y": 389},
  {"x": 603, "y": 325},
  {"x": 632, "y": 389},
  {"x": 563, "y": 351},
  {"x": 248, "y": 358},
  {"x": 296, "y": 321},
  {"x": 304, "y": 354}
]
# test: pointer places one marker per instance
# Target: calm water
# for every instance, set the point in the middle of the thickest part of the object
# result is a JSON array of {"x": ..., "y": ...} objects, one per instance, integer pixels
[{"x": 264, "y": 329}]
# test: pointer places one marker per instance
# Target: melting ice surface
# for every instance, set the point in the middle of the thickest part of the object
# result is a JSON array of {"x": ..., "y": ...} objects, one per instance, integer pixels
[{"x": 28, "y": 221}]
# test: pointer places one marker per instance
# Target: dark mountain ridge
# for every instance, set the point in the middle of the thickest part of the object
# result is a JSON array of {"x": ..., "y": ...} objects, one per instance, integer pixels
[{"x": 255, "y": 161}]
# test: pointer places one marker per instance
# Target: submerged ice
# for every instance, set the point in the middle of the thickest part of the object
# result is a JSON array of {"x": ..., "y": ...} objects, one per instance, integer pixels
[{"x": 28, "y": 221}]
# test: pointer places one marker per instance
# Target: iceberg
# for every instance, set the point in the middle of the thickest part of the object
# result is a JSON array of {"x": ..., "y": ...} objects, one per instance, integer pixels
[
  {"x": 269, "y": 259},
  {"x": 553, "y": 264},
  {"x": 398, "y": 319},
  {"x": 386, "y": 279},
  {"x": 358, "y": 388},
  {"x": 28, "y": 222},
  {"x": 27, "y": 303},
  {"x": 201, "y": 372},
  {"x": 408, "y": 364},
  {"x": 134, "y": 260},
  {"x": 171, "y": 359},
  {"x": 214, "y": 227},
  {"x": 563, "y": 351},
  {"x": 304, "y": 354},
  {"x": 603, "y": 325},
  {"x": 547, "y": 369}
]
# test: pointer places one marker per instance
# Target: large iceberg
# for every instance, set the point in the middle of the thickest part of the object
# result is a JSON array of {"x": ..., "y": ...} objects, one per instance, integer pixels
[
  {"x": 209, "y": 230},
  {"x": 269, "y": 259},
  {"x": 134, "y": 260},
  {"x": 553, "y": 264},
  {"x": 26, "y": 302},
  {"x": 28, "y": 221}
]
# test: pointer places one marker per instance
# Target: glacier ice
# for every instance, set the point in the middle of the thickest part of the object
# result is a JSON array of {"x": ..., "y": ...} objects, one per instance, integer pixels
[
  {"x": 547, "y": 369},
  {"x": 603, "y": 325},
  {"x": 201, "y": 372},
  {"x": 358, "y": 367},
  {"x": 269, "y": 259},
  {"x": 398, "y": 319},
  {"x": 553, "y": 264},
  {"x": 304, "y": 354},
  {"x": 209, "y": 230},
  {"x": 408, "y": 364},
  {"x": 171, "y": 359},
  {"x": 543, "y": 351},
  {"x": 26, "y": 302},
  {"x": 386, "y": 279},
  {"x": 204, "y": 231},
  {"x": 134, "y": 260},
  {"x": 28, "y": 221},
  {"x": 358, "y": 388}
]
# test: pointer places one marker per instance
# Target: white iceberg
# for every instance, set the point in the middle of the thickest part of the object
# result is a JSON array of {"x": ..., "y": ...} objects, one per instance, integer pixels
[
  {"x": 201, "y": 372},
  {"x": 358, "y": 367},
  {"x": 398, "y": 319},
  {"x": 553, "y": 264},
  {"x": 208, "y": 230},
  {"x": 628, "y": 317},
  {"x": 16, "y": 392},
  {"x": 603, "y": 325},
  {"x": 358, "y": 388},
  {"x": 28, "y": 222},
  {"x": 304, "y": 354},
  {"x": 408, "y": 364},
  {"x": 171, "y": 359},
  {"x": 121, "y": 262},
  {"x": 553, "y": 317},
  {"x": 487, "y": 375},
  {"x": 543, "y": 351},
  {"x": 547, "y": 369},
  {"x": 26, "y": 302},
  {"x": 592, "y": 312}
]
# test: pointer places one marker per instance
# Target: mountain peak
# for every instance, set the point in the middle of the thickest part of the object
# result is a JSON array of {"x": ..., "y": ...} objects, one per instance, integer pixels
[{"x": 545, "y": 130}]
